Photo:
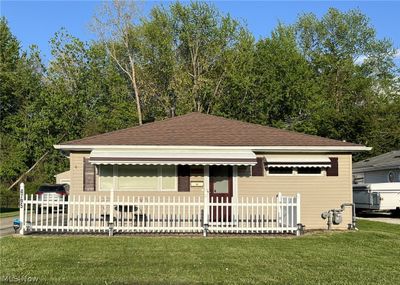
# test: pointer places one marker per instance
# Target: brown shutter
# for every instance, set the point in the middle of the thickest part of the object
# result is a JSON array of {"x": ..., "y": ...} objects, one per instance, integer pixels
[
  {"x": 334, "y": 169},
  {"x": 183, "y": 178},
  {"x": 258, "y": 169},
  {"x": 244, "y": 171},
  {"x": 89, "y": 175},
  {"x": 197, "y": 171}
]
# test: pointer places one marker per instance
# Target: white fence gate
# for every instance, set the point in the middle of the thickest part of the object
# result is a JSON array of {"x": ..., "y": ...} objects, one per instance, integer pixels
[{"x": 94, "y": 214}]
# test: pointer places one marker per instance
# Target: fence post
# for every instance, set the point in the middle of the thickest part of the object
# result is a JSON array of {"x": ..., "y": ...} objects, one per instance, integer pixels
[
  {"x": 21, "y": 208},
  {"x": 111, "y": 219},
  {"x": 112, "y": 193},
  {"x": 206, "y": 199},
  {"x": 298, "y": 222}
]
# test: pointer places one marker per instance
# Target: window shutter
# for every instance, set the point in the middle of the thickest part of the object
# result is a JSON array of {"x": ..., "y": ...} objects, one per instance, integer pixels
[
  {"x": 244, "y": 171},
  {"x": 258, "y": 169},
  {"x": 89, "y": 176},
  {"x": 196, "y": 171},
  {"x": 183, "y": 178},
  {"x": 334, "y": 169}
]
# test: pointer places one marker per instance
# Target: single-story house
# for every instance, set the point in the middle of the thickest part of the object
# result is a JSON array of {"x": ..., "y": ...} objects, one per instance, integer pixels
[
  {"x": 199, "y": 155},
  {"x": 383, "y": 168}
]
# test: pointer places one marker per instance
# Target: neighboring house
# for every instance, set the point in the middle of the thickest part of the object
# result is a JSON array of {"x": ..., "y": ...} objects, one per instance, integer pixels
[
  {"x": 379, "y": 169},
  {"x": 198, "y": 155},
  {"x": 63, "y": 177}
]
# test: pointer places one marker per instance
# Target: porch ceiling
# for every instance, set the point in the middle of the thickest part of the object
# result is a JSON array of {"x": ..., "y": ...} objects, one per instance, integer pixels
[{"x": 173, "y": 157}]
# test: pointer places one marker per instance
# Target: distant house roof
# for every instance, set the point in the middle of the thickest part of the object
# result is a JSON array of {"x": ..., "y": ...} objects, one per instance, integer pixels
[
  {"x": 387, "y": 160},
  {"x": 197, "y": 129}
]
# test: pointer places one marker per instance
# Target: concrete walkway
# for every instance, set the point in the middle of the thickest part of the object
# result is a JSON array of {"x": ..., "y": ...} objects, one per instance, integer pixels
[{"x": 380, "y": 217}]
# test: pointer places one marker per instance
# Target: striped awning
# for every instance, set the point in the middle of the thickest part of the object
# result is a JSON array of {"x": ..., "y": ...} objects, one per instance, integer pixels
[
  {"x": 173, "y": 157},
  {"x": 297, "y": 161}
]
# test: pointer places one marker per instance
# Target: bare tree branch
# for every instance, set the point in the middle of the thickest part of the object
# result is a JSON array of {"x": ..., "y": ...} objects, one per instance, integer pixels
[{"x": 113, "y": 24}]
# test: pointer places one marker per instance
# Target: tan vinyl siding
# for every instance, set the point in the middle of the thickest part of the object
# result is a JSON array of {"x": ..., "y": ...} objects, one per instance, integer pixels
[
  {"x": 76, "y": 167},
  {"x": 318, "y": 193}
]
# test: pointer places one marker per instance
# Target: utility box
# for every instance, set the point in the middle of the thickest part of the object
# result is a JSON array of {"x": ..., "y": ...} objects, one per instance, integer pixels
[{"x": 337, "y": 217}]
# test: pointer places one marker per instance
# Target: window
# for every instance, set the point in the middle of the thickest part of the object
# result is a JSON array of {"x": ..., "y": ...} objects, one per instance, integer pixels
[
  {"x": 296, "y": 171},
  {"x": 138, "y": 177},
  {"x": 221, "y": 179},
  {"x": 106, "y": 177},
  {"x": 168, "y": 178},
  {"x": 391, "y": 176},
  {"x": 309, "y": 170},
  {"x": 280, "y": 170}
]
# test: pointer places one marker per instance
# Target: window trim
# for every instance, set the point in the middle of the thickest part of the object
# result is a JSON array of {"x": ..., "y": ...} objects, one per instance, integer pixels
[{"x": 159, "y": 180}]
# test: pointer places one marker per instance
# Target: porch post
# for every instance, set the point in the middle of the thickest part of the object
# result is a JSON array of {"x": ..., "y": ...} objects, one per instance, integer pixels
[
  {"x": 21, "y": 208},
  {"x": 206, "y": 198},
  {"x": 235, "y": 198}
]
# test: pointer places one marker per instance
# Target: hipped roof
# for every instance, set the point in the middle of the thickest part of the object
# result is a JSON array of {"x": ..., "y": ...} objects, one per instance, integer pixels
[{"x": 197, "y": 129}]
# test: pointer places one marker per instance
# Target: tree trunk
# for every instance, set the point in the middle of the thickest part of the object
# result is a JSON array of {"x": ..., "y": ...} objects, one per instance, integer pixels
[
  {"x": 138, "y": 107},
  {"x": 137, "y": 97},
  {"x": 33, "y": 166},
  {"x": 29, "y": 170}
]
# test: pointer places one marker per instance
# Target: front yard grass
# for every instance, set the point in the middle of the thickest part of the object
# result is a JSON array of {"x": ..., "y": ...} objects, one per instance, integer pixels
[{"x": 368, "y": 256}]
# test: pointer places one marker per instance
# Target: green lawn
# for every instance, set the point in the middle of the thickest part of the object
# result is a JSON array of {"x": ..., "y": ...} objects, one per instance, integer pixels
[
  {"x": 9, "y": 212},
  {"x": 369, "y": 256}
]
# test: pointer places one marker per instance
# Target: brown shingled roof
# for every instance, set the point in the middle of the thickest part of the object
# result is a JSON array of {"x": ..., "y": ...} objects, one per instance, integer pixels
[{"x": 196, "y": 129}]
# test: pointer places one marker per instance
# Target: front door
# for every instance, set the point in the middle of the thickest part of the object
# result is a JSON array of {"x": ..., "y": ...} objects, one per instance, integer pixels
[{"x": 220, "y": 192}]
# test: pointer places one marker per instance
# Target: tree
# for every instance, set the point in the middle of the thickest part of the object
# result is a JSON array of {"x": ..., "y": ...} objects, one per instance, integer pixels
[
  {"x": 9, "y": 58},
  {"x": 238, "y": 99},
  {"x": 203, "y": 40},
  {"x": 115, "y": 26},
  {"x": 285, "y": 83},
  {"x": 21, "y": 76},
  {"x": 351, "y": 88},
  {"x": 159, "y": 66},
  {"x": 23, "y": 82}
]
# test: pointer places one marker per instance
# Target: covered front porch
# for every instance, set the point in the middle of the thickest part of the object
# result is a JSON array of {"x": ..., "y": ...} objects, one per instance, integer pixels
[
  {"x": 212, "y": 174},
  {"x": 165, "y": 191},
  {"x": 152, "y": 214}
]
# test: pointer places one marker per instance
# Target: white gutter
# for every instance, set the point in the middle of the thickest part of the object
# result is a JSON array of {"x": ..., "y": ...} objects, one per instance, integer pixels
[{"x": 252, "y": 148}]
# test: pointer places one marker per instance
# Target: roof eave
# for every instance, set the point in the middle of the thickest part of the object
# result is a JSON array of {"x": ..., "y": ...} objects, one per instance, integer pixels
[
  {"x": 350, "y": 148},
  {"x": 374, "y": 168}
]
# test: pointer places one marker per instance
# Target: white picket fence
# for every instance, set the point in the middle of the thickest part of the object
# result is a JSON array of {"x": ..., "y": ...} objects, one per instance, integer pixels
[
  {"x": 94, "y": 214},
  {"x": 280, "y": 214}
]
